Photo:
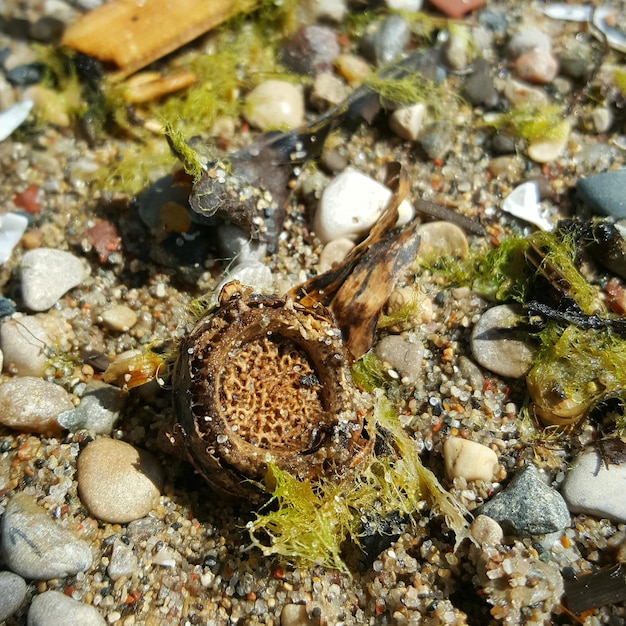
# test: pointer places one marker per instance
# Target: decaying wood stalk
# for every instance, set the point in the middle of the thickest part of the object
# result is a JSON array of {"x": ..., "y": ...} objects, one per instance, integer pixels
[{"x": 130, "y": 34}]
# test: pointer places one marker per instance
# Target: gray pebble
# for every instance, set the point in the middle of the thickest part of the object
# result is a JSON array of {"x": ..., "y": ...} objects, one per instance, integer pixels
[
  {"x": 233, "y": 243},
  {"x": 387, "y": 41},
  {"x": 471, "y": 372},
  {"x": 118, "y": 483},
  {"x": 498, "y": 347},
  {"x": 402, "y": 355},
  {"x": 98, "y": 410},
  {"x": 52, "y": 608},
  {"x": 528, "y": 39},
  {"x": 24, "y": 343},
  {"x": 437, "y": 139},
  {"x": 479, "y": 88},
  {"x": 604, "y": 193},
  {"x": 593, "y": 488},
  {"x": 47, "y": 275},
  {"x": 311, "y": 50},
  {"x": 527, "y": 506},
  {"x": 30, "y": 404},
  {"x": 123, "y": 561},
  {"x": 12, "y": 594},
  {"x": 35, "y": 546}
]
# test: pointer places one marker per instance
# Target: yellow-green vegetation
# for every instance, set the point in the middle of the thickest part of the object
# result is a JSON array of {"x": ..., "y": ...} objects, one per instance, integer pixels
[
  {"x": 369, "y": 373},
  {"x": 619, "y": 78},
  {"x": 532, "y": 123},
  {"x": 308, "y": 523},
  {"x": 573, "y": 369},
  {"x": 188, "y": 157}
]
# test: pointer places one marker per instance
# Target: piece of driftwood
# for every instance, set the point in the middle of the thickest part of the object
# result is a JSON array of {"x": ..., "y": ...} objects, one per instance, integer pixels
[
  {"x": 130, "y": 34},
  {"x": 606, "y": 586}
]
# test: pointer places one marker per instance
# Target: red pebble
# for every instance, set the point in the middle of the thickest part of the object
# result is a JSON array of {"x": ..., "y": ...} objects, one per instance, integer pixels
[
  {"x": 456, "y": 8},
  {"x": 105, "y": 239},
  {"x": 29, "y": 199}
]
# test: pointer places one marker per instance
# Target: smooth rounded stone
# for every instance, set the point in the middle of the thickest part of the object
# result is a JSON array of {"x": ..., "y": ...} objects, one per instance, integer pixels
[
  {"x": 528, "y": 39},
  {"x": 470, "y": 460},
  {"x": 441, "y": 239},
  {"x": 52, "y": 608},
  {"x": 602, "y": 119},
  {"x": 99, "y": 409},
  {"x": 479, "y": 88},
  {"x": 437, "y": 140},
  {"x": 32, "y": 405},
  {"x": 404, "y": 5},
  {"x": 407, "y": 122},
  {"x": 327, "y": 90},
  {"x": 275, "y": 105},
  {"x": 456, "y": 8},
  {"x": 537, "y": 66},
  {"x": 498, "y": 348},
  {"x": 313, "y": 10},
  {"x": 402, "y": 355},
  {"x": 24, "y": 342},
  {"x": 506, "y": 167},
  {"x": 252, "y": 274},
  {"x": 119, "y": 317},
  {"x": 593, "y": 488},
  {"x": 551, "y": 148},
  {"x": 351, "y": 204},
  {"x": 520, "y": 94},
  {"x": 46, "y": 275},
  {"x": 353, "y": 68},
  {"x": 387, "y": 41},
  {"x": 36, "y": 547},
  {"x": 234, "y": 243},
  {"x": 118, "y": 483},
  {"x": 457, "y": 48},
  {"x": 12, "y": 594},
  {"x": 311, "y": 50},
  {"x": 122, "y": 562},
  {"x": 527, "y": 506},
  {"x": 486, "y": 531},
  {"x": 334, "y": 252},
  {"x": 296, "y": 615},
  {"x": 604, "y": 193},
  {"x": 12, "y": 227},
  {"x": 504, "y": 144}
]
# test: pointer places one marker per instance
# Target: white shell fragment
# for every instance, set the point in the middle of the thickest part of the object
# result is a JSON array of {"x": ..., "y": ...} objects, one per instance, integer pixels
[
  {"x": 14, "y": 117},
  {"x": 12, "y": 227},
  {"x": 351, "y": 204},
  {"x": 569, "y": 12},
  {"x": 523, "y": 202}
]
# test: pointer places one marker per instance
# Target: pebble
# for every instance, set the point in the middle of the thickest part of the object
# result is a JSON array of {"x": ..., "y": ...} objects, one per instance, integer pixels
[
  {"x": 275, "y": 105},
  {"x": 12, "y": 227},
  {"x": 407, "y": 122},
  {"x": 36, "y": 547},
  {"x": 592, "y": 488},
  {"x": 471, "y": 372},
  {"x": 457, "y": 49},
  {"x": 604, "y": 193},
  {"x": 252, "y": 274},
  {"x": 12, "y": 594},
  {"x": 499, "y": 349},
  {"x": 456, "y": 8},
  {"x": 387, "y": 41},
  {"x": 311, "y": 50},
  {"x": 330, "y": 10},
  {"x": 327, "y": 90},
  {"x": 441, "y": 239},
  {"x": 52, "y": 608},
  {"x": 119, "y": 317},
  {"x": 528, "y": 506},
  {"x": 468, "y": 459},
  {"x": 602, "y": 119},
  {"x": 520, "y": 94},
  {"x": 97, "y": 412},
  {"x": 404, "y": 5},
  {"x": 508, "y": 168},
  {"x": 334, "y": 252},
  {"x": 486, "y": 531},
  {"x": 47, "y": 274},
  {"x": 528, "y": 39},
  {"x": 402, "y": 355},
  {"x": 296, "y": 615},
  {"x": 551, "y": 148},
  {"x": 233, "y": 243},
  {"x": 353, "y": 68},
  {"x": 31, "y": 404},
  {"x": 13, "y": 117},
  {"x": 118, "y": 483},
  {"x": 479, "y": 88},
  {"x": 351, "y": 204},
  {"x": 437, "y": 140},
  {"x": 537, "y": 66},
  {"x": 24, "y": 342},
  {"x": 122, "y": 562}
]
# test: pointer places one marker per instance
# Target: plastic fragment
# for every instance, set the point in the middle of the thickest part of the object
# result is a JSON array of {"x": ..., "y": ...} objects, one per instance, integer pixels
[{"x": 523, "y": 202}]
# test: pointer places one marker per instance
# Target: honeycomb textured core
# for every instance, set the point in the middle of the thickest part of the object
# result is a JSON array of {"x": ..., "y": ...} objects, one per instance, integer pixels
[{"x": 271, "y": 395}]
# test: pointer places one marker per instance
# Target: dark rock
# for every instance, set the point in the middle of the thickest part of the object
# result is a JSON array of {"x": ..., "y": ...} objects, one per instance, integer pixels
[
  {"x": 311, "y": 50},
  {"x": 479, "y": 88},
  {"x": 437, "y": 139},
  {"x": 604, "y": 193},
  {"x": 27, "y": 74},
  {"x": 527, "y": 506}
]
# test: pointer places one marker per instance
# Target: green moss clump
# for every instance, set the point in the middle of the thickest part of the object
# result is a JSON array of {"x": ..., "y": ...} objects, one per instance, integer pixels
[
  {"x": 187, "y": 156},
  {"x": 308, "y": 522},
  {"x": 619, "y": 78},
  {"x": 369, "y": 373},
  {"x": 533, "y": 123}
]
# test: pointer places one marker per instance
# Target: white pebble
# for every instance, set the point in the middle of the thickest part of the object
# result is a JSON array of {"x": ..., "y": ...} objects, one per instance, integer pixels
[
  {"x": 119, "y": 317},
  {"x": 52, "y": 608},
  {"x": 275, "y": 105},
  {"x": 327, "y": 90},
  {"x": 123, "y": 561},
  {"x": 407, "y": 122},
  {"x": 469, "y": 460},
  {"x": 25, "y": 343},
  {"x": 12, "y": 227},
  {"x": 404, "y": 5},
  {"x": 48, "y": 274},
  {"x": 334, "y": 252},
  {"x": 14, "y": 117},
  {"x": 527, "y": 39},
  {"x": 251, "y": 274},
  {"x": 351, "y": 204},
  {"x": 12, "y": 593}
]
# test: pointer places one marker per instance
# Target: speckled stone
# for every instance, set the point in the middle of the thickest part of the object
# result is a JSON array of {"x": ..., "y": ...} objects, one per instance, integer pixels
[
  {"x": 604, "y": 193},
  {"x": 486, "y": 531},
  {"x": 12, "y": 593},
  {"x": 469, "y": 459},
  {"x": 593, "y": 488},
  {"x": 35, "y": 546},
  {"x": 527, "y": 506},
  {"x": 118, "y": 483},
  {"x": 53, "y": 608},
  {"x": 47, "y": 274},
  {"x": 30, "y": 404}
]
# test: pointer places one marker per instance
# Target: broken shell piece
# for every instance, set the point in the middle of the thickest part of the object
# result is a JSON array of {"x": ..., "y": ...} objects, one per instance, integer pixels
[
  {"x": 608, "y": 22},
  {"x": 13, "y": 117},
  {"x": 12, "y": 227},
  {"x": 523, "y": 202},
  {"x": 265, "y": 380}
]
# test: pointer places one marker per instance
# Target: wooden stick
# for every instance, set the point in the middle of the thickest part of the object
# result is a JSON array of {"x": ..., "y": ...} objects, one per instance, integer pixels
[{"x": 130, "y": 34}]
